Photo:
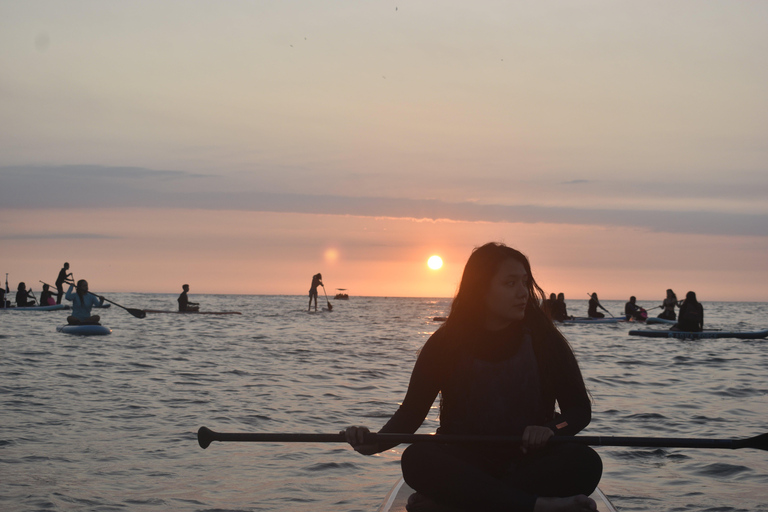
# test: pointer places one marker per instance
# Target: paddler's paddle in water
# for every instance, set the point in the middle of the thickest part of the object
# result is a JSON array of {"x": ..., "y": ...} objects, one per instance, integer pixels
[
  {"x": 206, "y": 436},
  {"x": 138, "y": 313},
  {"x": 330, "y": 308}
]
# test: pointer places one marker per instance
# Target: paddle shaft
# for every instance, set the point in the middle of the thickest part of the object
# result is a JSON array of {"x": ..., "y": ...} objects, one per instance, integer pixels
[
  {"x": 205, "y": 436},
  {"x": 330, "y": 308}
]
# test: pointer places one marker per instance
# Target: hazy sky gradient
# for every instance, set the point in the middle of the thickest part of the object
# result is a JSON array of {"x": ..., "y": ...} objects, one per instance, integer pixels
[{"x": 549, "y": 125}]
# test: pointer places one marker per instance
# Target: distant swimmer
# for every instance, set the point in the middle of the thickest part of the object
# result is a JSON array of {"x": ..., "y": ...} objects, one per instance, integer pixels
[
  {"x": 594, "y": 303},
  {"x": 634, "y": 312},
  {"x": 46, "y": 296},
  {"x": 63, "y": 277},
  {"x": 691, "y": 318},
  {"x": 317, "y": 280},
  {"x": 23, "y": 295},
  {"x": 184, "y": 305},
  {"x": 669, "y": 305},
  {"x": 82, "y": 302}
]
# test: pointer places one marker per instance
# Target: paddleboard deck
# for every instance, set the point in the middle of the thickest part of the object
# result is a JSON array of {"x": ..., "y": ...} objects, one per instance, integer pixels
[
  {"x": 587, "y": 320},
  {"x": 54, "y": 307},
  {"x": 685, "y": 335},
  {"x": 84, "y": 330},
  {"x": 656, "y": 320},
  {"x": 193, "y": 312},
  {"x": 397, "y": 498}
]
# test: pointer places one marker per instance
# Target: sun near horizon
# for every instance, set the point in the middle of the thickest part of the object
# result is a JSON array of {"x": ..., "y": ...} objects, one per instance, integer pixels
[{"x": 435, "y": 262}]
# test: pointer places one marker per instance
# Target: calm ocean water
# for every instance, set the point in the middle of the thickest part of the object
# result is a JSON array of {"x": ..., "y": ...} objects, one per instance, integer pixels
[{"x": 109, "y": 423}]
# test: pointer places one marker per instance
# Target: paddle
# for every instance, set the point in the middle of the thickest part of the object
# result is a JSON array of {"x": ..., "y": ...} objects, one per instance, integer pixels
[
  {"x": 206, "y": 436},
  {"x": 330, "y": 308},
  {"x": 138, "y": 313}
]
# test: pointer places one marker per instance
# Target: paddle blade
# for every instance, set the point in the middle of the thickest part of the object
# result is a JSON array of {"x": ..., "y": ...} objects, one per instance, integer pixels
[
  {"x": 204, "y": 437},
  {"x": 758, "y": 442},
  {"x": 138, "y": 313}
]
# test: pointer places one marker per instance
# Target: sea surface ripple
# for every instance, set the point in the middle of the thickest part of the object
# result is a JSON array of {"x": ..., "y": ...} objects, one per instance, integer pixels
[{"x": 109, "y": 423}]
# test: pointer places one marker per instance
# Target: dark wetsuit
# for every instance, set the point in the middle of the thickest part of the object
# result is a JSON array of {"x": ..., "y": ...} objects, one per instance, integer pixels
[
  {"x": 559, "y": 311},
  {"x": 185, "y": 305},
  {"x": 21, "y": 299},
  {"x": 497, "y": 384},
  {"x": 633, "y": 311},
  {"x": 592, "y": 311},
  {"x": 690, "y": 318}
]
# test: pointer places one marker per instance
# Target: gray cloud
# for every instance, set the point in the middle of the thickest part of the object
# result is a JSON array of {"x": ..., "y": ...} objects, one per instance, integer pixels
[
  {"x": 57, "y": 236},
  {"x": 103, "y": 187}
]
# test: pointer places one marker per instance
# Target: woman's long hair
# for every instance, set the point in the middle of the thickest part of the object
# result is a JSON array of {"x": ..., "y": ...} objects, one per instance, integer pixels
[{"x": 468, "y": 310}]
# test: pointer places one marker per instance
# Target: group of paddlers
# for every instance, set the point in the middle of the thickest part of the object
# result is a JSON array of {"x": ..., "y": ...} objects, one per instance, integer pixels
[{"x": 691, "y": 312}]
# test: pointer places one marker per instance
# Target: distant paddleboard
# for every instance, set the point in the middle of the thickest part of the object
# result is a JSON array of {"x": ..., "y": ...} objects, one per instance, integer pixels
[
  {"x": 685, "y": 335},
  {"x": 193, "y": 312}
]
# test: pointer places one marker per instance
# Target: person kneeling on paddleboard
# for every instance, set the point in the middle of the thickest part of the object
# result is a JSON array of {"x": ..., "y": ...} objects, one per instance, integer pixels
[
  {"x": 634, "y": 312},
  {"x": 82, "y": 302},
  {"x": 500, "y": 366}
]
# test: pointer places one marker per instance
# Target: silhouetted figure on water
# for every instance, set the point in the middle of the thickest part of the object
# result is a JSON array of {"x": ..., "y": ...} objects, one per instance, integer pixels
[
  {"x": 46, "y": 296},
  {"x": 63, "y": 276},
  {"x": 184, "y": 304},
  {"x": 633, "y": 311},
  {"x": 82, "y": 302},
  {"x": 23, "y": 296},
  {"x": 317, "y": 280},
  {"x": 560, "y": 310},
  {"x": 691, "y": 317},
  {"x": 669, "y": 305},
  {"x": 594, "y": 303}
]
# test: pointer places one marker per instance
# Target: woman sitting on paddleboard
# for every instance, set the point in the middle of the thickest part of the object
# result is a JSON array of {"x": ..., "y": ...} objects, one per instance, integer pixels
[
  {"x": 82, "y": 302},
  {"x": 594, "y": 303},
  {"x": 23, "y": 295},
  {"x": 691, "y": 318},
  {"x": 669, "y": 305},
  {"x": 499, "y": 365}
]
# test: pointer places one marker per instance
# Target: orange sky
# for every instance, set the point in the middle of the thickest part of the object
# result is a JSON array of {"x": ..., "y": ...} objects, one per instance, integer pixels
[
  {"x": 158, "y": 250},
  {"x": 232, "y": 145}
]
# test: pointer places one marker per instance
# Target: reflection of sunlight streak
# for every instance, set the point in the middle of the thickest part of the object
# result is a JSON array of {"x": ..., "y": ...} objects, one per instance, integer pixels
[{"x": 331, "y": 255}]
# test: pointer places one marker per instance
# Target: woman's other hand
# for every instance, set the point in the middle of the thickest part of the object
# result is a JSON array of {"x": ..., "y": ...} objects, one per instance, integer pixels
[{"x": 535, "y": 437}]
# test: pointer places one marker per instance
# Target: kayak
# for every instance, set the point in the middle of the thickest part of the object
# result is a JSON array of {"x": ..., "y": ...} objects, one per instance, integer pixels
[
  {"x": 656, "y": 320},
  {"x": 85, "y": 330},
  {"x": 587, "y": 320},
  {"x": 398, "y": 496},
  {"x": 55, "y": 307},
  {"x": 685, "y": 335},
  {"x": 193, "y": 312}
]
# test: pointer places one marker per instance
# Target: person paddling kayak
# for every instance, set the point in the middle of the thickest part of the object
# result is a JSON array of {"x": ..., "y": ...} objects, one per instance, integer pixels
[
  {"x": 82, "y": 302},
  {"x": 500, "y": 365}
]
